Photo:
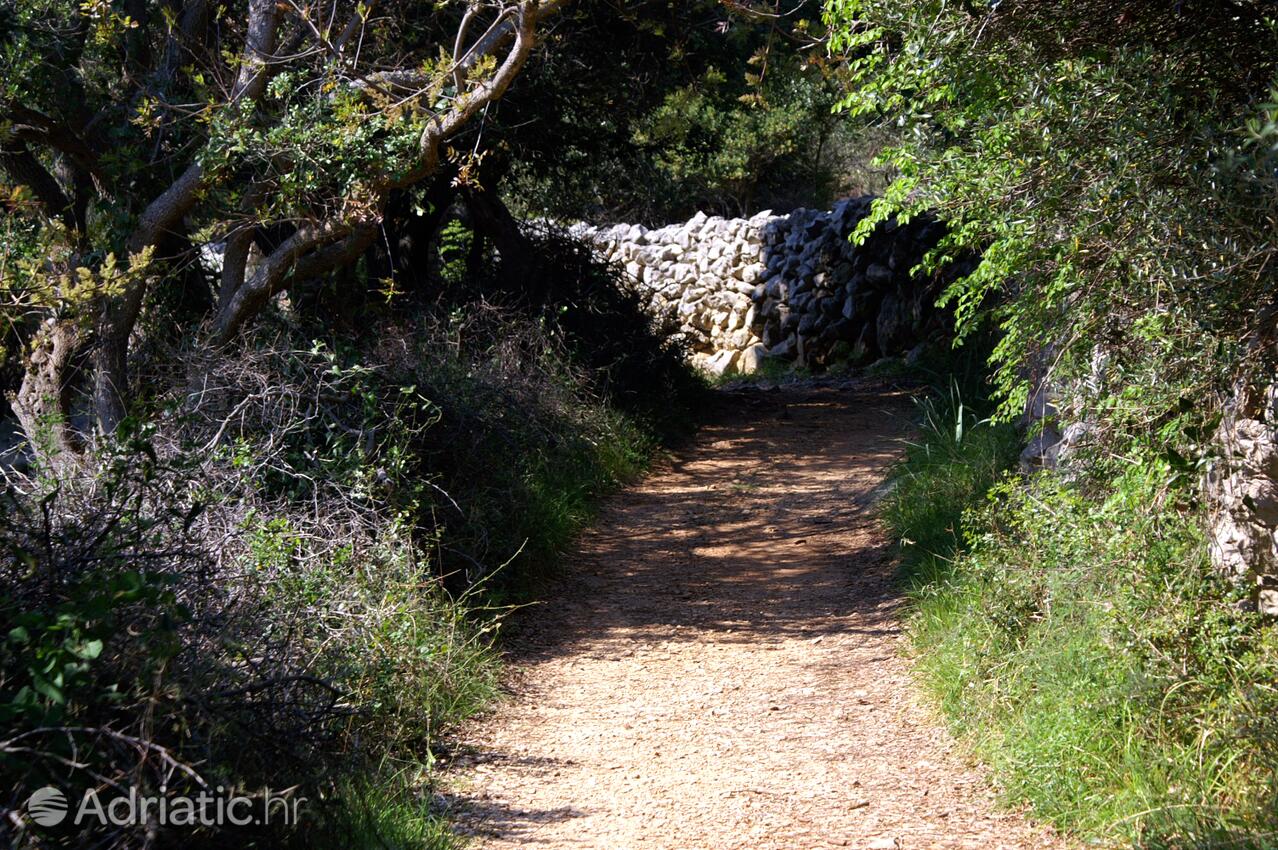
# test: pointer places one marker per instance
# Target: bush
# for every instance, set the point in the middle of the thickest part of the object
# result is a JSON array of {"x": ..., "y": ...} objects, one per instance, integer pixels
[
  {"x": 163, "y": 635},
  {"x": 599, "y": 316},
  {"x": 1114, "y": 169},
  {"x": 1080, "y": 644},
  {"x": 288, "y": 577}
]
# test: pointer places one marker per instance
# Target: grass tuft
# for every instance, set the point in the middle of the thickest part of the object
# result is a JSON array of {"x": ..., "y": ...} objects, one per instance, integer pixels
[{"x": 1081, "y": 645}]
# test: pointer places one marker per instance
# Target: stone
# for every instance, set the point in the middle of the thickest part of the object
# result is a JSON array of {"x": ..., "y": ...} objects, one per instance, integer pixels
[
  {"x": 751, "y": 359},
  {"x": 878, "y": 275},
  {"x": 751, "y": 273},
  {"x": 722, "y": 362},
  {"x": 893, "y": 325},
  {"x": 1041, "y": 453},
  {"x": 916, "y": 354},
  {"x": 1075, "y": 437},
  {"x": 866, "y": 345},
  {"x": 784, "y": 349},
  {"x": 795, "y": 284}
]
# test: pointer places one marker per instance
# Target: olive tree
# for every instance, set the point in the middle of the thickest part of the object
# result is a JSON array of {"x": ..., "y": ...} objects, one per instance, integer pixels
[{"x": 136, "y": 134}]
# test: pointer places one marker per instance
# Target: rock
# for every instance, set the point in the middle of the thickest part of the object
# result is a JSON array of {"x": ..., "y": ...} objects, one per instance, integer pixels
[
  {"x": 722, "y": 362},
  {"x": 878, "y": 275},
  {"x": 1041, "y": 453},
  {"x": 865, "y": 346},
  {"x": 784, "y": 349},
  {"x": 893, "y": 325},
  {"x": 916, "y": 354},
  {"x": 1242, "y": 492},
  {"x": 795, "y": 285},
  {"x": 751, "y": 359},
  {"x": 1267, "y": 598}
]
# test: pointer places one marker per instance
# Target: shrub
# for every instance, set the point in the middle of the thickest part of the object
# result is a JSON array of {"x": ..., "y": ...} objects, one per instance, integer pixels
[
  {"x": 1078, "y": 642},
  {"x": 1113, "y": 167},
  {"x": 289, "y": 576}
]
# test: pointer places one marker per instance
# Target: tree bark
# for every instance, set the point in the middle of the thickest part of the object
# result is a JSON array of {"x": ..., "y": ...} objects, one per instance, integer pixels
[
  {"x": 23, "y": 168},
  {"x": 314, "y": 249},
  {"x": 43, "y": 401},
  {"x": 119, "y": 316},
  {"x": 491, "y": 218}
]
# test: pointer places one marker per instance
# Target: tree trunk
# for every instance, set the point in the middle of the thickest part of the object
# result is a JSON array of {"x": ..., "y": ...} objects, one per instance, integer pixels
[
  {"x": 43, "y": 401},
  {"x": 490, "y": 217},
  {"x": 111, "y": 371}
]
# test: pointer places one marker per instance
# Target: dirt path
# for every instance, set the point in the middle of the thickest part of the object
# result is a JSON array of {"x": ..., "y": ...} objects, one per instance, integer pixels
[{"x": 722, "y": 666}]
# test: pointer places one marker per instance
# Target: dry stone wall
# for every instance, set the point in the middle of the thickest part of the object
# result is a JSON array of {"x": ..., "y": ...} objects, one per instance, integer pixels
[
  {"x": 1242, "y": 491},
  {"x": 785, "y": 286},
  {"x": 1240, "y": 485}
]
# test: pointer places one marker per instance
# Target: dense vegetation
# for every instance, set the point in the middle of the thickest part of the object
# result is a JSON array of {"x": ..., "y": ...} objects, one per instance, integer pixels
[
  {"x": 308, "y": 396},
  {"x": 1117, "y": 168},
  {"x": 305, "y": 405},
  {"x": 289, "y": 576},
  {"x": 652, "y": 111}
]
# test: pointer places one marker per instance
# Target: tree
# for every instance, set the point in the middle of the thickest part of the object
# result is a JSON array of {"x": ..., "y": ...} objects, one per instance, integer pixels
[
  {"x": 135, "y": 135},
  {"x": 1098, "y": 157},
  {"x": 653, "y": 110}
]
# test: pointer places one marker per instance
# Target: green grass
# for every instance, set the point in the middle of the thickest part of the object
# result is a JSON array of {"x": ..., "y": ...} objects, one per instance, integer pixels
[
  {"x": 771, "y": 370},
  {"x": 392, "y": 813},
  {"x": 430, "y": 663},
  {"x": 955, "y": 459},
  {"x": 1080, "y": 644}
]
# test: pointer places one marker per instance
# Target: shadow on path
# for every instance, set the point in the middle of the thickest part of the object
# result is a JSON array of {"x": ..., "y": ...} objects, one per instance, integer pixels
[
  {"x": 720, "y": 664},
  {"x": 744, "y": 532}
]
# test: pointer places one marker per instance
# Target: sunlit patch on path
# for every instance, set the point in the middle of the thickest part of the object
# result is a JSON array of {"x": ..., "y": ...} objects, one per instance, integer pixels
[{"x": 721, "y": 666}]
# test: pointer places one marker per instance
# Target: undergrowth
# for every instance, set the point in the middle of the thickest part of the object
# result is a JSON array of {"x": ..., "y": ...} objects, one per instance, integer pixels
[
  {"x": 1078, "y": 641},
  {"x": 289, "y": 573}
]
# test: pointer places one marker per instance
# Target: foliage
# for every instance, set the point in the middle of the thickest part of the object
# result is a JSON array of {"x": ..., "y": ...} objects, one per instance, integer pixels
[
  {"x": 1114, "y": 168},
  {"x": 682, "y": 106},
  {"x": 1080, "y": 644},
  {"x": 293, "y": 577},
  {"x": 174, "y": 140},
  {"x": 729, "y": 149},
  {"x": 158, "y": 637},
  {"x": 1096, "y": 157}
]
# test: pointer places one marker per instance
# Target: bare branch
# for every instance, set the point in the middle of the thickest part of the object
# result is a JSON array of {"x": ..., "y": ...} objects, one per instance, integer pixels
[{"x": 304, "y": 254}]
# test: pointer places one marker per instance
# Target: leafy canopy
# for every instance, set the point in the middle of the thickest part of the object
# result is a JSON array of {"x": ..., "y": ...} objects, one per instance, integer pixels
[{"x": 1114, "y": 165}]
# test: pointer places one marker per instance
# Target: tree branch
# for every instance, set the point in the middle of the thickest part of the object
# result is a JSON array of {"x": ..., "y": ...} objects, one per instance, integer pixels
[
  {"x": 313, "y": 249},
  {"x": 121, "y": 314},
  {"x": 319, "y": 248},
  {"x": 23, "y": 168}
]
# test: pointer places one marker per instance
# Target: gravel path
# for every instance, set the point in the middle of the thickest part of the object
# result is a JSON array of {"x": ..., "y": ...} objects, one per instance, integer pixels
[{"x": 722, "y": 667}]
